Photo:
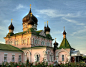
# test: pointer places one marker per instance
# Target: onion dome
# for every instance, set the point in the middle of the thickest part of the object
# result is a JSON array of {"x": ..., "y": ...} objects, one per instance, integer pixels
[
  {"x": 11, "y": 26},
  {"x": 31, "y": 22},
  {"x": 28, "y": 16},
  {"x": 55, "y": 42},
  {"x": 64, "y": 33},
  {"x": 47, "y": 28}
]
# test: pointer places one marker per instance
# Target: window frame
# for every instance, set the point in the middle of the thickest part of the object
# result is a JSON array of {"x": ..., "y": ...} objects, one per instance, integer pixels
[
  {"x": 13, "y": 56},
  {"x": 5, "y": 57},
  {"x": 62, "y": 57}
]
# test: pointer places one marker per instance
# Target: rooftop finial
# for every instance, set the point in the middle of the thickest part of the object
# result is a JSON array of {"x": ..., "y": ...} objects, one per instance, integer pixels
[
  {"x": 64, "y": 27},
  {"x": 30, "y": 5},
  {"x": 11, "y": 20},
  {"x": 55, "y": 39},
  {"x": 47, "y": 22}
]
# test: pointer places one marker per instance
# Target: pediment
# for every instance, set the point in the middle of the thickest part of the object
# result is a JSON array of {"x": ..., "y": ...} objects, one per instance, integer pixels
[{"x": 42, "y": 33}]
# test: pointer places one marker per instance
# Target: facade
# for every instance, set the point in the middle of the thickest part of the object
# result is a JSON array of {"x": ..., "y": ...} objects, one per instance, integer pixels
[{"x": 34, "y": 45}]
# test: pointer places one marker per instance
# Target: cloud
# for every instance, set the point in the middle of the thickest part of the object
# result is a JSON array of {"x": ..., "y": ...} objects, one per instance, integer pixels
[
  {"x": 79, "y": 31},
  {"x": 37, "y": 15},
  {"x": 54, "y": 13},
  {"x": 56, "y": 32},
  {"x": 2, "y": 28},
  {"x": 73, "y": 21},
  {"x": 20, "y": 6}
]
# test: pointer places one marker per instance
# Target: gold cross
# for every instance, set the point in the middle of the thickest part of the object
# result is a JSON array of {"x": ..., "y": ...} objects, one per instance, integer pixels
[
  {"x": 55, "y": 39},
  {"x": 47, "y": 22},
  {"x": 11, "y": 20},
  {"x": 30, "y": 5},
  {"x": 64, "y": 27}
]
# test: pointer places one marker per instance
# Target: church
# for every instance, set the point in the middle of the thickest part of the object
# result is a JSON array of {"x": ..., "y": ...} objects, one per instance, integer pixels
[{"x": 35, "y": 45}]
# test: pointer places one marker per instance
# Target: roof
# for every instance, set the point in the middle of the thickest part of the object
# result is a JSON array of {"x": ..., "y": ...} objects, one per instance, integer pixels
[
  {"x": 32, "y": 31},
  {"x": 28, "y": 17},
  {"x": 7, "y": 47},
  {"x": 36, "y": 47},
  {"x": 64, "y": 44},
  {"x": 11, "y": 26}
]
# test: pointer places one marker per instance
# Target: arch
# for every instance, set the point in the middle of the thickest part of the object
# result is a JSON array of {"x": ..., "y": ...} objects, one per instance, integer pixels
[
  {"x": 37, "y": 57},
  {"x": 27, "y": 55},
  {"x": 62, "y": 50}
]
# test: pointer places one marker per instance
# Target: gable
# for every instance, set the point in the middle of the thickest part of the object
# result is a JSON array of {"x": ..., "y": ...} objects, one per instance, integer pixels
[
  {"x": 42, "y": 33},
  {"x": 64, "y": 44}
]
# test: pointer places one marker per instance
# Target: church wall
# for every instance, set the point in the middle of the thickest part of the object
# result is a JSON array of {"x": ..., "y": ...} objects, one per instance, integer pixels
[
  {"x": 60, "y": 52},
  {"x": 35, "y": 51},
  {"x": 9, "y": 56},
  {"x": 40, "y": 39},
  {"x": 20, "y": 40},
  {"x": 50, "y": 55}
]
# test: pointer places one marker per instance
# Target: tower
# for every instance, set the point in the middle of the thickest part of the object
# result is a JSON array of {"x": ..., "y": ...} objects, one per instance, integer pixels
[
  {"x": 47, "y": 29},
  {"x": 11, "y": 27},
  {"x": 64, "y": 33},
  {"x": 64, "y": 43},
  {"x": 29, "y": 21}
]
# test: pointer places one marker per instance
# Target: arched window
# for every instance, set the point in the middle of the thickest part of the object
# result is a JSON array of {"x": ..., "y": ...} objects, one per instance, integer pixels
[
  {"x": 62, "y": 57},
  {"x": 33, "y": 40},
  {"x": 47, "y": 44},
  {"x": 27, "y": 41},
  {"x": 42, "y": 43},
  {"x": 37, "y": 57},
  {"x": 24, "y": 41}
]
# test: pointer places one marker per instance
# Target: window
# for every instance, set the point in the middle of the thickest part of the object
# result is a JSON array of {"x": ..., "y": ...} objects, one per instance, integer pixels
[
  {"x": 5, "y": 57},
  {"x": 37, "y": 57},
  {"x": 47, "y": 44},
  {"x": 19, "y": 58},
  {"x": 36, "y": 42},
  {"x": 42, "y": 43},
  {"x": 13, "y": 58},
  {"x": 23, "y": 41},
  {"x": 33, "y": 40},
  {"x": 62, "y": 57}
]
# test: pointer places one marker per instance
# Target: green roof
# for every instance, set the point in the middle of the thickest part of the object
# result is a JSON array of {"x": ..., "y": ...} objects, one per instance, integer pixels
[
  {"x": 64, "y": 44},
  {"x": 36, "y": 47},
  {"x": 7, "y": 47},
  {"x": 30, "y": 30}
]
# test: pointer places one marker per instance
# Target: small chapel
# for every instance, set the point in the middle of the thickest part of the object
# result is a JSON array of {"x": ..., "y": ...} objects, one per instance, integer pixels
[{"x": 35, "y": 45}]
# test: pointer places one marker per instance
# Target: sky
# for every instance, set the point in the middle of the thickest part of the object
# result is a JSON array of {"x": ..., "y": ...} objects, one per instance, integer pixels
[{"x": 58, "y": 13}]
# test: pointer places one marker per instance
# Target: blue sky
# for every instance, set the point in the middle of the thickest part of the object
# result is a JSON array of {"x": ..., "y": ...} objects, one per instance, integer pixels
[{"x": 58, "y": 13}]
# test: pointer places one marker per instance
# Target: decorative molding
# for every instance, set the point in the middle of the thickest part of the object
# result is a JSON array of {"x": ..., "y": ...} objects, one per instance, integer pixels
[{"x": 42, "y": 33}]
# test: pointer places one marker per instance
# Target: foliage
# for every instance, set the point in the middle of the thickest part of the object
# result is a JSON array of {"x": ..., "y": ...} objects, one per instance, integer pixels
[{"x": 41, "y": 64}]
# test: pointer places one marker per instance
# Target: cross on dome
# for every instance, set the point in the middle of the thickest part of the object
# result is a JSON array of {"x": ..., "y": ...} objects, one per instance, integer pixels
[
  {"x": 30, "y": 5},
  {"x": 11, "y": 20},
  {"x": 47, "y": 22},
  {"x": 64, "y": 27},
  {"x": 55, "y": 39}
]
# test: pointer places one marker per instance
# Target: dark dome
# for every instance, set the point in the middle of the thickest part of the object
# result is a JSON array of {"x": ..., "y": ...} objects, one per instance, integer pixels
[
  {"x": 47, "y": 28},
  {"x": 64, "y": 32},
  {"x": 27, "y": 18},
  {"x": 11, "y": 26},
  {"x": 31, "y": 22},
  {"x": 56, "y": 43}
]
